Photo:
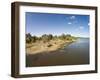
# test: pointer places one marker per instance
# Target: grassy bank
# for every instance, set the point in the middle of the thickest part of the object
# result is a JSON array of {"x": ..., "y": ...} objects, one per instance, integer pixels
[
  {"x": 52, "y": 45},
  {"x": 47, "y": 42}
]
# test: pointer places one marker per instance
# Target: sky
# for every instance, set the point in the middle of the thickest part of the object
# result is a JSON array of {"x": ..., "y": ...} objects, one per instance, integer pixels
[{"x": 57, "y": 24}]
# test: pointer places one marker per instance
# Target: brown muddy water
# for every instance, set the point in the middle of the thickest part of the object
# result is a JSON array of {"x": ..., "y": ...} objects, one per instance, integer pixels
[{"x": 76, "y": 53}]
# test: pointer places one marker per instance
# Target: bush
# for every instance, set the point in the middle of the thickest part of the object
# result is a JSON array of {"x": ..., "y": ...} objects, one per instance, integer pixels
[{"x": 49, "y": 45}]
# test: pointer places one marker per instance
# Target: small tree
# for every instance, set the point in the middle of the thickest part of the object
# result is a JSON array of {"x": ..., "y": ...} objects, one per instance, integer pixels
[
  {"x": 55, "y": 37},
  {"x": 28, "y": 38},
  {"x": 34, "y": 38},
  {"x": 44, "y": 38},
  {"x": 68, "y": 37},
  {"x": 63, "y": 36},
  {"x": 50, "y": 36}
]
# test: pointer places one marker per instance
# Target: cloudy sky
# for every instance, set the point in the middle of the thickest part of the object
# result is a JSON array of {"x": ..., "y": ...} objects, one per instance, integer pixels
[{"x": 56, "y": 24}]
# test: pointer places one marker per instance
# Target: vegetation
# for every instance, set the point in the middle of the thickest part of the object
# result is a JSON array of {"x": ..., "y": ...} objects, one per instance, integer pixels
[
  {"x": 47, "y": 42},
  {"x": 47, "y": 37}
]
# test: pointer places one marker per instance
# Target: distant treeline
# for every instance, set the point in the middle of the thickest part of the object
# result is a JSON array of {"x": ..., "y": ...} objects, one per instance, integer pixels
[{"x": 47, "y": 37}]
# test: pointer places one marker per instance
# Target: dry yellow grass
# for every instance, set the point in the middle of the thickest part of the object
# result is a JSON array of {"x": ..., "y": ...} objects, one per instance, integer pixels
[{"x": 39, "y": 46}]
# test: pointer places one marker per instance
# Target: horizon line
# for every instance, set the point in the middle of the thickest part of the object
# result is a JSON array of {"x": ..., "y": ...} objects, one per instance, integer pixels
[{"x": 58, "y": 35}]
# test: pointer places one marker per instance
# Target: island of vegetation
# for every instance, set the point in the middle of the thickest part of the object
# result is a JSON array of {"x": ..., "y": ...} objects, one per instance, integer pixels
[{"x": 47, "y": 42}]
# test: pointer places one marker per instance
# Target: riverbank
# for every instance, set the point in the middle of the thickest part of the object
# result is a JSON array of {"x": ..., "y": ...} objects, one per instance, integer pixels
[
  {"x": 52, "y": 45},
  {"x": 76, "y": 53}
]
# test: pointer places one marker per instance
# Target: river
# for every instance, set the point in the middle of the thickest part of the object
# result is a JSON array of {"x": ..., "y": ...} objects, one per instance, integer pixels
[{"x": 76, "y": 53}]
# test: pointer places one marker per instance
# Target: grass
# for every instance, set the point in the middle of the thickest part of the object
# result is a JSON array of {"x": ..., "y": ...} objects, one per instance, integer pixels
[{"x": 51, "y": 45}]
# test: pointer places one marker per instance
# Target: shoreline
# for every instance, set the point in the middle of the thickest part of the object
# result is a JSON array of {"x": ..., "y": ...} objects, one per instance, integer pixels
[{"x": 52, "y": 45}]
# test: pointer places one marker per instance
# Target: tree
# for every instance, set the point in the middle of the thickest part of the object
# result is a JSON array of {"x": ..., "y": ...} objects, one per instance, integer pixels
[
  {"x": 28, "y": 35},
  {"x": 63, "y": 36},
  {"x": 50, "y": 36},
  {"x": 28, "y": 38},
  {"x": 34, "y": 38},
  {"x": 68, "y": 37},
  {"x": 55, "y": 37},
  {"x": 46, "y": 37}
]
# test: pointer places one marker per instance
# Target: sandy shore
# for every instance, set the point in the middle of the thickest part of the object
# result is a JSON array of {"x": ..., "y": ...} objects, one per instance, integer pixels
[{"x": 52, "y": 45}]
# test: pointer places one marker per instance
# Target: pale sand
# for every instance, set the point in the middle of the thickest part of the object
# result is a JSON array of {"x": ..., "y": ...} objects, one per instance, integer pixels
[{"x": 39, "y": 47}]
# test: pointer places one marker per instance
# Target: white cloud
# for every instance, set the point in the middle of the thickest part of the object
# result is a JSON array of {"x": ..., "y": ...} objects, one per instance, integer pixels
[
  {"x": 81, "y": 27},
  {"x": 69, "y": 23},
  {"x": 72, "y": 17}
]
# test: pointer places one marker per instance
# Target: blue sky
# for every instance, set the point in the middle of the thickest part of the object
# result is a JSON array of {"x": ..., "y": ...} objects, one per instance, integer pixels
[{"x": 56, "y": 24}]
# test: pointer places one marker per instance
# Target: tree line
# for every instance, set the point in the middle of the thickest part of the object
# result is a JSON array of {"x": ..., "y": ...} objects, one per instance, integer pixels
[{"x": 47, "y": 37}]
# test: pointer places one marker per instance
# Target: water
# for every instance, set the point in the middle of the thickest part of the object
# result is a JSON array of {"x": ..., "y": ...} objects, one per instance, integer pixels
[{"x": 76, "y": 53}]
